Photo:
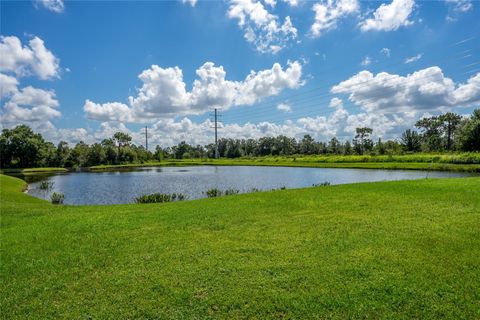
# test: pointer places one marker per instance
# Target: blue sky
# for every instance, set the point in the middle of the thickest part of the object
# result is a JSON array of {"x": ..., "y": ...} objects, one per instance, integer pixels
[{"x": 320, "y": 67}]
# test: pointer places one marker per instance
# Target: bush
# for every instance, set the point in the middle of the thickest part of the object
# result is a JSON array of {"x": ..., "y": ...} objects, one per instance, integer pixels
[
  {"x": 160, "y": 197},
  {"x": 46, "y": 185},
  {"x": 323, "y": 184},
  {"x": 231, "y": 191},
  {"x": 214, "y": 192},
  {"x": 57, "y": 198}
]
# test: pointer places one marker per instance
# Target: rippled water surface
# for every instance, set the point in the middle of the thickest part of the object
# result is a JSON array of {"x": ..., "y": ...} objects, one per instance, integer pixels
[{"x": 124, "y": 186}]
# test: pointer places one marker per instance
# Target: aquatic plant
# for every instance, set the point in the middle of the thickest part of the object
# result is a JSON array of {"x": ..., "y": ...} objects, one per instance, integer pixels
[
  {"x": 45, "y": 185},
  {"x": 231, "y": 191},
  {"x": 322, "y": 184},
  {"x": 160, "y": 197},
  {"x": 214, "y": 192},
  {"x": 57, "y": 198}
]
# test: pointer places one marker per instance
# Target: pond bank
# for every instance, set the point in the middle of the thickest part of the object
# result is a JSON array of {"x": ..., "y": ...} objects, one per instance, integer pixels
[
  {"x": 402, "y": 249},
  {"x": 298, "y": 163}
]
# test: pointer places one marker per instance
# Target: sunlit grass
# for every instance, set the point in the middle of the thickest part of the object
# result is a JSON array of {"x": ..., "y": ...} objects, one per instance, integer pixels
[
  {"x": 467, "y": 162},
  {"x": 404, "y": 249}
]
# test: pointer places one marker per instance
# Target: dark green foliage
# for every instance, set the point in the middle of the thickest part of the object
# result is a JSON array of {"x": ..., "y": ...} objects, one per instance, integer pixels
[
  {"x": 21, "y": 147},
  {"x": 449, "y": 121},
  {"x": 45, "y": 185},
  {"x": 231, "y": 191},
  {"x": 160, "y": 197},
  {"x": 470, "y": 135},
  {"x": 322, "y": 184},
  {"x": 57, "y": 198},
  {"x": 411, "y": 141},
  {"x": 213, "y": 193},
  {"x": 362, "y": 142}
]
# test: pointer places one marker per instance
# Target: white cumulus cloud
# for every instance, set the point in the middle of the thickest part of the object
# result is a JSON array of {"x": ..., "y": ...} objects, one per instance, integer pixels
[
  {"x": 460, "y": 5},
  {"x": 34, "y": 59},
  {"x": 284, "y": 107},
  {"x": 327, "y": 14},
  {"x": 423, "y": 90},
  {"x": 30, "y": 105},
  {"x": 414, "y": 58},
  {"x": 8, "y": 85},
  {"x": 190, "y": 2},
  {"x": 390, "y": 17},
  {"x": 366, "y": 62},
  {"x": 262, "y": 29},
  {"x": 56, "y": 6},
  {"x": 163, "y": 92}
]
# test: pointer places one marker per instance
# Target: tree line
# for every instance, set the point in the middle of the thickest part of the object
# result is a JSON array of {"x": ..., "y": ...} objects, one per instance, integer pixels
[{"x": 20, "y": 147}]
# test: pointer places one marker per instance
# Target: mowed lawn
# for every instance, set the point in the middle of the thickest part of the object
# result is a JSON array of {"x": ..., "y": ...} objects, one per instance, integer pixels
[{"x": 408, "y": 249}]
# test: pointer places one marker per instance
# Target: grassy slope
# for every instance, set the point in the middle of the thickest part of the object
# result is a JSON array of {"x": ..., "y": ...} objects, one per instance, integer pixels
[
  {"x": 447, "y": 162},
  {"x": 34, "y": 170},
  {"x": 406, "y": 249}
]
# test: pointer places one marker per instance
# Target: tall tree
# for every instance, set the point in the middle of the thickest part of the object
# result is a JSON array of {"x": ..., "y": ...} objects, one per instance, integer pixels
[
  {"x": 450, "y": 121},
  {"x": 121, "y": 139},
  {"x": 20, "y": 147},
  {"x": 362, "y": 139},
  {"x": 470, "y": 135},
  {"x": 334, "y": 146},
  {"x": 307, "y": 145},
  {"x": 411, "y": 141},
  {"x": 431, "y": 132}
]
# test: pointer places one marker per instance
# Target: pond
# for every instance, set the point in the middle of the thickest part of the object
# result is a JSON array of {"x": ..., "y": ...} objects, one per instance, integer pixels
[{"x": 118, "y": 187}]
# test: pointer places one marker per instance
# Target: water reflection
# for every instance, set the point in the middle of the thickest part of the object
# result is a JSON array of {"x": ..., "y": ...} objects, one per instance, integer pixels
[{"x": 124, "y": 186}]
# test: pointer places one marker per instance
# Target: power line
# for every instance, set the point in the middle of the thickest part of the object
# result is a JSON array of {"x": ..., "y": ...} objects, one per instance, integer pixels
[
  {"x": 326, "y": 97},
  {"x": 311, "y": 93},
  {"x": 146, "y": 138}
]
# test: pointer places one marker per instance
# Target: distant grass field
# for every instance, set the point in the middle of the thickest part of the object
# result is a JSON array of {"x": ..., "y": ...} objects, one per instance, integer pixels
[
  {"x": 466, "y": 162},
  {"x": 34, "y": 170},
  {"x": 404, "y": 249}
]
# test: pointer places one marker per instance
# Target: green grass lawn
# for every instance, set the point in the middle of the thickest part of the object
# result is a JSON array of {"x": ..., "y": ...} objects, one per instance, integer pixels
[
  {"x": 34, "y": 170},
  {"x": 405, "y": 249},
  {"x": 465, "y": 162}
]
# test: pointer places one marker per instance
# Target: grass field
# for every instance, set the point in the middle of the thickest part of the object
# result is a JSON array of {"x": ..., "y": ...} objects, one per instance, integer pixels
[
  {"x": 34, "y": 170},
  {"x": 405, "y": 249},
  {"x": 468, "y": 162}
]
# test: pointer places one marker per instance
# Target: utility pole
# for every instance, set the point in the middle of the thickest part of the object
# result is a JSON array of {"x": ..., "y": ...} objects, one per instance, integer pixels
[
  {"x": 215, "y": 119},
  {"x": 146, "y": 138},
  {"x": 216, "y": 136}
]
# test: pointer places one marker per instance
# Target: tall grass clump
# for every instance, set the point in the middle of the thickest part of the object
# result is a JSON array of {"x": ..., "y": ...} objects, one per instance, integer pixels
[
  {"x": 46, "y": 185},
  {"x": 213, "y": 193},
  {"x": 160, "y": 197},
  {"x": 57, "y": 198},
  {"x": 322, "y": 184},
  {"x": 231, "y": 192}
]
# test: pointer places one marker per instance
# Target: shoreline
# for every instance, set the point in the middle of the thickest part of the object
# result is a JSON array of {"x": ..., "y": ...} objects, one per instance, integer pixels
[{"x": 423, "y": 166}]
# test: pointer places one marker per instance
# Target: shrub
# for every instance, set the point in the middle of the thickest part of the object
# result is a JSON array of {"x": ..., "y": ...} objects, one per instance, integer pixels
[
  {"x": 323, "y": 184},
  {"x": 160, "y": 197},
  {"x": 57, "y": 198},
  {"x": 46, "y": 185},
  {"x": 214, "y": 192},
  {"x": 231, "y": 191}
]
